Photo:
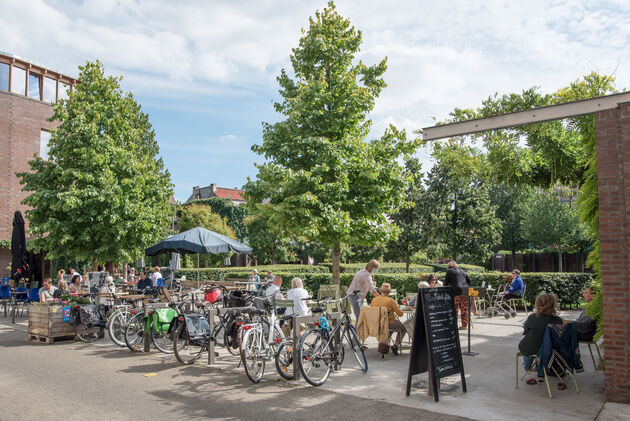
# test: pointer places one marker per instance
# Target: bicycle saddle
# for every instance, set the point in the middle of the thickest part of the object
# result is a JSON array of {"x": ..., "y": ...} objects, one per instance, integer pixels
[
  {"x": 317, "y": 310},
  {"x": 287, "y": 317},
  {"x": 253, "y": 311},
  {"x": 154, "y": 300}
]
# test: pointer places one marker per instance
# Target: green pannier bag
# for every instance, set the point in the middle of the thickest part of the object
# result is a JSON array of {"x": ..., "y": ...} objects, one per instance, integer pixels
[{"x": 162, "y": 318}]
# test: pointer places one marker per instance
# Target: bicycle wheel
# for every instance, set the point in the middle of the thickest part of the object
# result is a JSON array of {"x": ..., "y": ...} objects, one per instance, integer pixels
[
  {"x": 250, "y": 355},
  {"x": 284, "y": 361},
  {"x": 228, "y": 341},
  {"x": 357, "y": 350},
  {"x": 187, "y": 350},
  {"x": 162, "y": 340},
  {"x": 116, "y": 326},
  {"x": 88, "y": 334},
  {"x": 134, "y": 333},
  {"x": 219, "y": 333},
  {"x": 315, "y": 358}
]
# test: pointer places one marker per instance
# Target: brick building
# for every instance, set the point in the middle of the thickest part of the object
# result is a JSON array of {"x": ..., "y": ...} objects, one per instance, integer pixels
[
  {"x": 26, "y": 93},
  {"x": 235, "y": 195}
]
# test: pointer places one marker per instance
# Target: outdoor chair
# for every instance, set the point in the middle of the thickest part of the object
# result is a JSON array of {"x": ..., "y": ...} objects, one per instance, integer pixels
[
  {"x": 33, "y": 295},
  {"x": 20, "y": 297},
  {"x": 5, "y": 296},
  {"x": 513, "y": 302},
  {"x": 394, "y": 294},
  {"x": 553, "y": 357},
  {"x": 409, "y": 296},
  {"x": 331, "y": 291},
  {"x": 599, "y": 355}
]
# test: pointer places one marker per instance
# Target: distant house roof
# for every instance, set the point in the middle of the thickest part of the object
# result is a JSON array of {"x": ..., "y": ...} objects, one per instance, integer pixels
[{"x": 235, "y": 195}]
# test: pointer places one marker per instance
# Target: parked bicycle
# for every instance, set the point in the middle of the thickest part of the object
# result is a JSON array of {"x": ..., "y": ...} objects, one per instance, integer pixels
[
  {"x": 262, "y": 338},
  {"x": 317, "y": 351},
  {"x": 89, "y": 322}
]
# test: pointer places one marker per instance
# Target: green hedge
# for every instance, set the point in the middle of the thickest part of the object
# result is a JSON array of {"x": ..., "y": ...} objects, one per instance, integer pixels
[
  {"x": 383, "y": 268},
  {"x": 568, "y": 287}
]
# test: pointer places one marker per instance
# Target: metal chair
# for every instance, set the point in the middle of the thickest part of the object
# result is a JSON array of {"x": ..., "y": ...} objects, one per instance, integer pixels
[
  {"x": 513, "y": 302},
  {"x": 33, "y": 295},
  {"x": 5, "y": 296},
  {"x": 599, "y": 355},
  {"x": 20, "y": 296}
]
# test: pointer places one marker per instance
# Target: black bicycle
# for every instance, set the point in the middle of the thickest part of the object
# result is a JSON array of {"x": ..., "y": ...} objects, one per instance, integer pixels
[
  {"x": 89, "y": 322},
  {"x": 317, "y": 351}
]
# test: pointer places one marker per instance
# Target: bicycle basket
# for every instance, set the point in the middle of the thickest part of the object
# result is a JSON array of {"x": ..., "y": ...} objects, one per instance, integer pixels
[
  {"x": 89, "y": 315},
  {"x": 162, "y": 318},
  {"x": 213, "y": 295},
  {"x": 197, "y": 325},
  {"x": 262, "y": 304},
  {"x": 236, "y": 298}
]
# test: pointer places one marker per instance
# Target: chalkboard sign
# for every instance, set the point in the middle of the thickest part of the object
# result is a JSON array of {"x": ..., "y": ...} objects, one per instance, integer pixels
[
  {"x": 435, "y": 345},
  {"x": 96, "y": 280}
]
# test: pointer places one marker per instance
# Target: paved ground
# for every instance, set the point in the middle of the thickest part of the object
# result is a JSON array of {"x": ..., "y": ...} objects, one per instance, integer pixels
[{"x": 103, "y": 381}]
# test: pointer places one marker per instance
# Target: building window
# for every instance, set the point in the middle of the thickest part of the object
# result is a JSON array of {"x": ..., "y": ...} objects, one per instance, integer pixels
[
  {"x": 44, "y": 139},
  {"x": 34, "y": 85},
  {"x": 4, "y": 76},
  {"x": 50, "y": 89},
  {"x": 63, "y": 91},
  {"x": 18, "y": 81}
]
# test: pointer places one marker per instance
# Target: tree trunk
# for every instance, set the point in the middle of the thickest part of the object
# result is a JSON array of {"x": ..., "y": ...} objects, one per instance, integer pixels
[
  {"x": 125, "y": 272},
  {"x": 407, "y": 260},
  {"x": 513, "y": 259},
  {"x": 336, "y": 252},
  {"x": 559, "y": 261}
]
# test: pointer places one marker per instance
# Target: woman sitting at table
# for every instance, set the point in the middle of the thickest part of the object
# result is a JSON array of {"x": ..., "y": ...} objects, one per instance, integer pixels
[
  {"x": 433, "y": 281},
  {"x": 384, "y": 300},
  {"x": 75, "y": 285},
  {"x": 534, "y": 329}
]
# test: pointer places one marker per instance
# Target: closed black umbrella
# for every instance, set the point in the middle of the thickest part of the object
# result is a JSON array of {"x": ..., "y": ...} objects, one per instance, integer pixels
[{"x": 19, "y": 268}]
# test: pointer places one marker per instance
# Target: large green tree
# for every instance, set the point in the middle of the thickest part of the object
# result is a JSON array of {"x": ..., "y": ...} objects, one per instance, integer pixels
[
  {"x": 409, "y": 218},
  {"x": 265, "y": 235},
  {"x": 326, "y": 181},
  {"x": 201, "y": 215},
  {"x": 225, "y": 208},
  {"x": 103, "y": 193},
  {"x": 510, "y": 201},
  {"x": 458, "y": 218}
]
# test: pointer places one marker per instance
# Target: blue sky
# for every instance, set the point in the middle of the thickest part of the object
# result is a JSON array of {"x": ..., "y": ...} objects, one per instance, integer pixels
[{"x": 205, "y": 71}]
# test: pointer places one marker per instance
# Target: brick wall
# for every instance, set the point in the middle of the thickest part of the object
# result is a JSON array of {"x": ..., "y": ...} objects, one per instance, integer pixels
[
  {"x": 613, "y": 169},
  {"x": 21, "y": 120}
]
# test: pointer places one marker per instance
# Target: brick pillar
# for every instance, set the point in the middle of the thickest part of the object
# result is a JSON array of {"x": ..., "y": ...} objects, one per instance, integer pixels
[{"x": 613, "y": 171}]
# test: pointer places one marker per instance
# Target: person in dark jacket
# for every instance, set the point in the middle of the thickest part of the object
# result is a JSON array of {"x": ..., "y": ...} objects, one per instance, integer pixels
[
  {"x": 458, "y": 280},
  {"x": 145, "y": 282}
]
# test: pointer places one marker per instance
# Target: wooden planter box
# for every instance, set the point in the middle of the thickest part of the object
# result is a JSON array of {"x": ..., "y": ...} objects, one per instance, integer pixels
[{"x": 45, "y": 323}]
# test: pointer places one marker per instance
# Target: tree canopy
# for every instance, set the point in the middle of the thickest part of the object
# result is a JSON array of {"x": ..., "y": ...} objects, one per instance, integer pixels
[
  {"x": 103, "y": 194},
  {"x": 325, "y": 180}
]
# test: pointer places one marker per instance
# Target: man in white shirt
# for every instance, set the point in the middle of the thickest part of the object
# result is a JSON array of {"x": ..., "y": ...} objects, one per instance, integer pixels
[
  {"x": 74, "y": 272},
  {"x": 46, "y": 292},
  {"x": 273, "y": 290}
]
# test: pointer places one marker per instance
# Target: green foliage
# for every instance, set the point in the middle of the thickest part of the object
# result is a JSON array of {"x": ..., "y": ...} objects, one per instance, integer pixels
[
  {"x": 510, "y": 202},
  {"x": 5, "y": 244},
  {"x": 383, "y": 268},
  {"x": 439, "y": 267},
  {"x": 458, "y": 219},
  {"x": 324, "y": 180},
  {"x": 409, "y": 218},
  {"x": 270, "y": 242},
  {"x": 228, "y": 210},
  {"x": 103, "y": 194}
]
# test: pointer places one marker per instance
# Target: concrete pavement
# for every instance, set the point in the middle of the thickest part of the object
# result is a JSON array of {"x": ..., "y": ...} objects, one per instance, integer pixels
[{"x": 103, "y": 381}]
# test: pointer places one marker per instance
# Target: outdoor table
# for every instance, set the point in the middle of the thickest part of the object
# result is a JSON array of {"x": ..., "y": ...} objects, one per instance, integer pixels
[{"x": 408, "y": 311}]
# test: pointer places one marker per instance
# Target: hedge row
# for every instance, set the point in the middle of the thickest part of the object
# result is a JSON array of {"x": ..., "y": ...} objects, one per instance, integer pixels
[
  {"x": 383, "y": 268},
  {"x": 567, "y": 286},
  {"x": 439, "y": 267}
]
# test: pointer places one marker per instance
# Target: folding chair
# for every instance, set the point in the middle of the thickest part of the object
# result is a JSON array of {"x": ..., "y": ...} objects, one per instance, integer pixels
[
  {"x": 33, "y": 295},
  {"x": 5, "y": 296},
  {"x": 394, "y": 294},
  {"x": 20, "y": 296},
  {"x": 513, "y": 302},
  {"x": 599, "y": 355},
  {"x": 332, "y": 291}
]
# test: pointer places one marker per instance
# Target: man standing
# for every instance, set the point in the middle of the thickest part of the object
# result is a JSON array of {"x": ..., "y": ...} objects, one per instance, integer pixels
[
  {"x": 362, "y": 281},
  {"x": 74, "y": 272},
  {"x": 458, "y": 280}
]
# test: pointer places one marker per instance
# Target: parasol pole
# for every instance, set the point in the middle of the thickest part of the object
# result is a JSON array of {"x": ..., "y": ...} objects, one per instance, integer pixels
[{"x": 197, "y": 270}]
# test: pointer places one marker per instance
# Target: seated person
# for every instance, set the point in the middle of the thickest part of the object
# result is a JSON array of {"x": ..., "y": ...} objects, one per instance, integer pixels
[
  {"x": 46, "y": 292},
  {"x": 297, "y": 293},
  {"x": 61, "y": 283},
  {"x": 145, "y": 282},
  {"x": 534, "y": 328},
  {"x": 384, "y": 300},
  {"x": 516, "y": 288},
  {"x": 586, "y": 326},
  {"x": 131, "y": 277},
  {"x": 414, "y": 300},
  {"x": 75, "y": 284},
  {"x": 108, "y": 287},
  {"x": 433, "y": 281},
  {"x": 254, "y": 278}
]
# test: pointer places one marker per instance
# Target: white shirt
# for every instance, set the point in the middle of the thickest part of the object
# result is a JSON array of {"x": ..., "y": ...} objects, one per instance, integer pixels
[
  {"x": 299, "y": 305},
  {"x": 362, "y": 281},
  {"x": 107, "y": 288},
  {"x": 273, "y": 290},
  {"x": 74, "y": 273},
  {"x": 154, "y": 277}
]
